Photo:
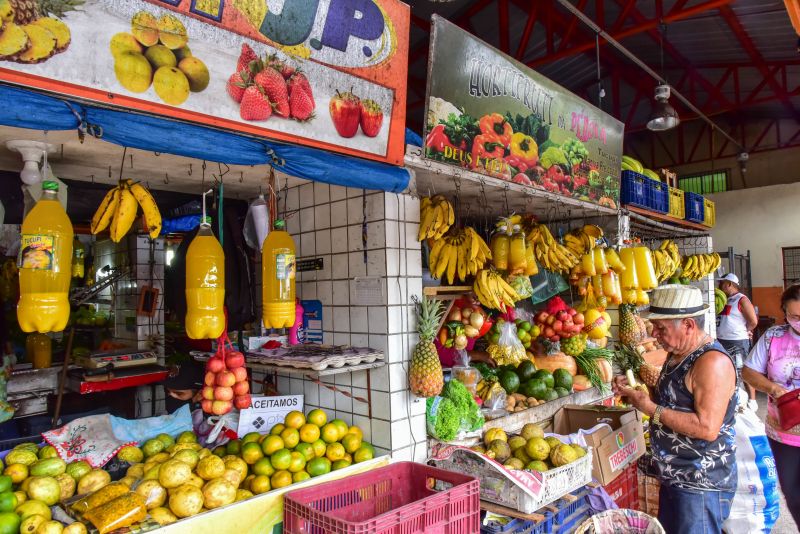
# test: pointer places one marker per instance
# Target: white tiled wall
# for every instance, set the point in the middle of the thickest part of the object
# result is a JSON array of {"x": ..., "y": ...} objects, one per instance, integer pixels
[{"x": 327, "y": 222}]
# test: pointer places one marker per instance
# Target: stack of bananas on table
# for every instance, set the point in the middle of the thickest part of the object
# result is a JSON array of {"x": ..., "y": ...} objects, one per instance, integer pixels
[
  {"x": 488, "y": 388},
  {"x": 549, "y": 252},
  {"x": 118, "y": 209},
  {"x": 583, "y": 240},
  {"x": 666, "y": 260},
  {"x": 493, "y": 291},
  {"x": 436, "y": 216},
  {"x": 699, "y": 266},
  {"x": 460, "y": 252}
]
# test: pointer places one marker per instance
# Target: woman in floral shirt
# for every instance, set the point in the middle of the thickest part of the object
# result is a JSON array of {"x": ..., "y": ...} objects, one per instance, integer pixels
[{"x": 773, "y": 367}]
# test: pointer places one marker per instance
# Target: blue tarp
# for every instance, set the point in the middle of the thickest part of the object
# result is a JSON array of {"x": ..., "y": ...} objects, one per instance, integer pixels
[{"x": 28, "y": 109}]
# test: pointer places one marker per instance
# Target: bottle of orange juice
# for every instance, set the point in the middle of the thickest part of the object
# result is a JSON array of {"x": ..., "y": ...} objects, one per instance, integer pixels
[
  {"x": 45, "y": 265},
  {"x": 278, "y": 273},
  {"x": 205, "y": 285},
  {"x": 78, "y": 259}
]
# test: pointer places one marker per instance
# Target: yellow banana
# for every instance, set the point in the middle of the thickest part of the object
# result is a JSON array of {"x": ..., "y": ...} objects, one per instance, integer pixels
[
  {"x": 436, "y": 249},
  {"x": 124, "y": 216},
  {"x": 151, "y": 213},
  {"x": 105, "y": 212}
]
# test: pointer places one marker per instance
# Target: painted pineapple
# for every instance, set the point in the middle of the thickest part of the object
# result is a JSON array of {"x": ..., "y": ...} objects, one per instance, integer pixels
[
  {"x": 425, "y": 377},
  {"x": 32, "y": 30},
  {"x": 253, "y": 10}
]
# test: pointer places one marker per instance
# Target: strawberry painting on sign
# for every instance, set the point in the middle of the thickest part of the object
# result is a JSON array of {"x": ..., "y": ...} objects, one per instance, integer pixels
[{"x": 326, "y": 74}]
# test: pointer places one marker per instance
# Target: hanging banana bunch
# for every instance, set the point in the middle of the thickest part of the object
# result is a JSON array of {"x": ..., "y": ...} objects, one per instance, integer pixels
[
  {"x": 436, "y": 216},
  {"x": 119, "y": 207},
  {"x": 583, "y": 240},
  {"x": 493, "y": 291},
  {"x": 699, "y": 266},
  {"x": 550, "y": 253},
  {"x": 459, "y": 253}
]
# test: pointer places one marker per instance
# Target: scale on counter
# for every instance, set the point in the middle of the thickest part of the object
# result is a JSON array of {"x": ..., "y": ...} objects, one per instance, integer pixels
[{"x": 116, "y": 359}]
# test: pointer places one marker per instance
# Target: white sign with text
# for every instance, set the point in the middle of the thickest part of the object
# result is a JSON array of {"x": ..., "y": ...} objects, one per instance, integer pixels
[{"x": 266, "y": 412}]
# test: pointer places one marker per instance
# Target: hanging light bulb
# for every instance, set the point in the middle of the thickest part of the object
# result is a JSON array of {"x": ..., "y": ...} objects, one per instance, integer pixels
[
  {"x": 32, "y": 153},
  {"x": 664, "y": 116}
]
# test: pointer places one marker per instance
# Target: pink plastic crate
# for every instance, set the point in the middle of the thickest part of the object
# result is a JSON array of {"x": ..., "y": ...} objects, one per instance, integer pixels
[{"x": 396, "y": 499}]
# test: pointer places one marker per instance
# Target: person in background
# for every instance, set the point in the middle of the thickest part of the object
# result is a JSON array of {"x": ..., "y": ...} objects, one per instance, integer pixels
[
  {"x": 737, "y": 321},
  {"x": 773, "y": 367},
  {"x": 692, "y": 413}
]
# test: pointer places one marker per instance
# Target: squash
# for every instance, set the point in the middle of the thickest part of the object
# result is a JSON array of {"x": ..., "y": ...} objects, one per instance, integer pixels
[
  {"x": 581, "y": 383},
  {"x": 604, "y": 368},
  {"x": 557, "y": 360}
]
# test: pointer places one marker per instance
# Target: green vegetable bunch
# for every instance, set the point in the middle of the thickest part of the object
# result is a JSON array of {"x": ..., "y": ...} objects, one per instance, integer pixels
[
  {"x": 461, "y": 129},
  {"x": 460, "y": 396},
  {"x": 574, "y": 151},
  {"x": 443, "y": 418},
  {"x": 552, "y": 156}
]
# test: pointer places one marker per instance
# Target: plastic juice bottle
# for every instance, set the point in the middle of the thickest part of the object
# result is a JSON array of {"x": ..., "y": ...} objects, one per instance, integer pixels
[
  {"x": 45, "y": 265},
  {"x": 205, "y": 285},
  {"x": 278, "y": 269},
  {"x": 78, "y": 258}
]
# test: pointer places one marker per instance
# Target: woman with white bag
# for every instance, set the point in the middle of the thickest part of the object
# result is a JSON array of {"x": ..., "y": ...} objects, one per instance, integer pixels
[{"x": 773, "y": 367}]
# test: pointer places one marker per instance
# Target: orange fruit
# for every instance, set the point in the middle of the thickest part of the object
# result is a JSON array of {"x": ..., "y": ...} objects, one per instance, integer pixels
[
  {"x": 317, "y": 417},
  {"x": 297, "y": 462},
  {"x": 348, "y": 457},
  {"x": 356, "y": 430},
  {"x": 277, "y": 429},
  {"x": 247, "y": 481},
  {"x": 309, "y": 433},
  {"x": 251, "y": 452},
  {"x": 281, "y": 459},
  {"x": 320, "y": 447},
  {"x": 281, "y": 479},
  {"x": 307, "y": 450},
  {"x": 251, "y": 436},
  {"x": 291, "y": 437},
  {"x": 263, "y": 467},
  {"x": 318, "y": 466},
  {"x": 363, "y": 454},
  {"x": 17, "y": 472},
  {"x": 300, "y": 476},
  {"x": 294, "y": 419},
  {"x": 351, "y": 442},
  {"x": 330, "y": 433},
  {"x": 335, "y": 452},
  {"x": 271, "y": 444},
  {"x": 339, "y": 464},
  {"x": 342, "y": 426},
  {"x": 260, "y": 484}
]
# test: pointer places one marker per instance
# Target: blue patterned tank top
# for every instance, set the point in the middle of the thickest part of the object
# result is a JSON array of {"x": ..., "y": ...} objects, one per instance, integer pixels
[{"x": 689, "y": 462}]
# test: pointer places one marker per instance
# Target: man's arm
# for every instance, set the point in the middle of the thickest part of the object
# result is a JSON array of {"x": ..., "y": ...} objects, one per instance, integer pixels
[
  {"x": 749, "y": 313},
  {"x": 712, "y": 381}
]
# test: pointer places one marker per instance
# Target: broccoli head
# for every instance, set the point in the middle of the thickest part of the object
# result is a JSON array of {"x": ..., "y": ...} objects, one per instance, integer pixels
[{"x": 552, "y": 156}]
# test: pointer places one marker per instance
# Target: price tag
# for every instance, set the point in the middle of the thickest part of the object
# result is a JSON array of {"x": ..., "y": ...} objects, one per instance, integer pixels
[{"x": 266, "y": 412}]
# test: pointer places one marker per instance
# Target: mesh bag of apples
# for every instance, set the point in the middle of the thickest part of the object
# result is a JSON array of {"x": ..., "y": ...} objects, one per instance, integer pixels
[{"x": 226, "y": 384}]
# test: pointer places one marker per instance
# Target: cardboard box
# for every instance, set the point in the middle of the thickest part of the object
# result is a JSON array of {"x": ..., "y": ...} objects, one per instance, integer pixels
[{"x": 614, "y": 448}]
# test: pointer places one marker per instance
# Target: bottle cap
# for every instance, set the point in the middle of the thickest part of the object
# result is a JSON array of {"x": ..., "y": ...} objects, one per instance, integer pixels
[
  {"x": 280, "y": 224},
  {"x": 49, "y": 185}
]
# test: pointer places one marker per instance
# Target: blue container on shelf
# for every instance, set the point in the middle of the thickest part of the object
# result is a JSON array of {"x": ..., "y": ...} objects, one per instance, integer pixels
[
  {"x": 659, "y": 198},
  {"x": 634, "y": 189},
  {"x": 695, "y": 207}
]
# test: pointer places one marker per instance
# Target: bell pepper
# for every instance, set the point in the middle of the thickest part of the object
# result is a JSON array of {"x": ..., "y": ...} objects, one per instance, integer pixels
[
  {"x": 486, "y": 146},
  {"x": 437, "y": 139},
  {"x": 495, "y": 124},
  {"x": 517, "y": 162},
  {"x": 525, "y": 149}
]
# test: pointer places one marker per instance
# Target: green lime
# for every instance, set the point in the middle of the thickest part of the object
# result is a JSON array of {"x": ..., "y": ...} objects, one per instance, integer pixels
[
  {"x": 8, "y": 501},
  {"x": 5, "y": 483}
]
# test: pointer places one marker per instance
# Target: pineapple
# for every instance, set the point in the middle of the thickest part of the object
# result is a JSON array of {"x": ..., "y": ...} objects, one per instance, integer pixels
[
  {"x": 630, "y": 332},
  {"x": 649, "y": 374},
  {"x": 425, "y": 377},
  {"x": 13, "y": 40},
  {"x": 27, "y": 11},
  {"x": 43, "y": 45},
  {"x": 59, "y": 30}
]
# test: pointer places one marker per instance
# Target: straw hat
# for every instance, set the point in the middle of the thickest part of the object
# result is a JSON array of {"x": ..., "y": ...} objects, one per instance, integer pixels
[{"x": 675, "y": 301}]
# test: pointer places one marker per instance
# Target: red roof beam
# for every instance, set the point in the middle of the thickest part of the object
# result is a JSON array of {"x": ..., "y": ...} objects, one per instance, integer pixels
[
  {"x": 526, "y": 34},
  {"x": 640, "y": 27}
]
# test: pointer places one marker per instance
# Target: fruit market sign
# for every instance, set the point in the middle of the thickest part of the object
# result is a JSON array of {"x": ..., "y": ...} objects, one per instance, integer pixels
[
  {"x": 266, "y": 412},
  {"x": 491, "y": 114},
  {"x": 325, "y": 73}
]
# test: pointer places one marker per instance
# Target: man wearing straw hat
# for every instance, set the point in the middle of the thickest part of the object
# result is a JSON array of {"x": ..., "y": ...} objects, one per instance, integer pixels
[{"x": 692, "y": 413}]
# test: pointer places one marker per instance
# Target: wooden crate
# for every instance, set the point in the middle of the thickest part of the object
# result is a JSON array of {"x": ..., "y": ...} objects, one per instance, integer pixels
[{"x": 648, "y": 494}]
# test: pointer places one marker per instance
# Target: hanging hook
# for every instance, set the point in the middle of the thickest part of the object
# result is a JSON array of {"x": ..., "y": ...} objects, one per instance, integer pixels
[
  {"x": 131, "y": 156},
  {"x": 166, "y": 178},
  {"x": 241, "y": 177},
  {"x": 92, "y": 175},
  {"x": 190, "y": 169}
]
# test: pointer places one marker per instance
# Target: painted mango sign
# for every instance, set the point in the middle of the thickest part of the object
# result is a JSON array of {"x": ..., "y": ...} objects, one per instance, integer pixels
[
  {"x": 489, "y": 113},
  {"x": 325, "y": 73}
]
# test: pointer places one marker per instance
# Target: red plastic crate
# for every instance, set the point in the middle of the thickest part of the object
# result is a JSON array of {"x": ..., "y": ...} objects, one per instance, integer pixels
[
  {"x": 396, "y": 499},
  {"x": 625, "y": 488}
]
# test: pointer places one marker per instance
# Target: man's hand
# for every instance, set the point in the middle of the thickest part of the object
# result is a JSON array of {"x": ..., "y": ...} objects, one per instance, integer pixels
[
  {"x": 777, "y": 391},
  {"x": 639, "y": 400}
]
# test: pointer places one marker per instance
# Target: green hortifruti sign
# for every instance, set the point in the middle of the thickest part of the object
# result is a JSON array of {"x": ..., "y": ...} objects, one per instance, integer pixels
[{"x": 491, "y": 114}]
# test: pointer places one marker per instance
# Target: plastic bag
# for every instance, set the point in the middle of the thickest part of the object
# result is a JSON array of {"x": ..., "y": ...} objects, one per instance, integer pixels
[
  {"x": 756, "y": 505},
  {"x": 124, "y": 511},
  {"x": 139, "y": 430},
  {"x": 461, "y": 371},
  {"x": 107, "y": 493},
  {"x": 547, "y": 284},
  {"x": 256, "y": 223},
  {"x": 522, "y": 285},
  {"x": 509, "y": 349},
  {"x": 214, "y": 431}
]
